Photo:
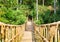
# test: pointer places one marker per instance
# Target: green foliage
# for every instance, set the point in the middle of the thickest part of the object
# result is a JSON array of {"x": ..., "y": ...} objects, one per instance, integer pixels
[
  {"x": 3, "y": 10},
  {"x": 49, "y": 2},
  {"x": 38, "y": 22},
  {"x": 21, "y": 19},
  {"x": 43, "y": 13},
  {"x": 4, "y": 20},
  {"x": 12, "y": 12},
  {"x": 51, "y": 18},
  {"x": 14, "y": 17}
]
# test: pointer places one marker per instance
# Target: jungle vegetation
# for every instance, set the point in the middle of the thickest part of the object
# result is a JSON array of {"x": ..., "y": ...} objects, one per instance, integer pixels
[{"x": 16, "y": 11}]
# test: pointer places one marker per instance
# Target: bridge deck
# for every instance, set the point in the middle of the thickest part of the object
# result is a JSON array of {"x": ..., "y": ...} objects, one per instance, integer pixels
[{"x": 27, "y": 37}]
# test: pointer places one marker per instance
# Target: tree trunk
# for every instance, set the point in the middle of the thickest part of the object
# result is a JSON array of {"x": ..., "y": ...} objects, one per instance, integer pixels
[
  {"x": 43, "y": 2},
  {"x": 54, "y": 6},
  {"x": 37, "y": 9},
  {"x": 20, "y": 1},
  {"x": 17, "y": 4}
]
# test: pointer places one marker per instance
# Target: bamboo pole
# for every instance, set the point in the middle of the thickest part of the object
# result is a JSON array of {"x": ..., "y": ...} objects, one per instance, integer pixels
[
  {"x": 6, "y": 35},
  {"x": 0, "y": 34},
  {"x": 3, "y": 33},
  {"x": 13, "y": 33},
  {"x": 18, "y": 35},
  {"x": 42, "y": 32},
  {"x": 58, "y": 36},
  {"x": 46, "y": 32},
  {"x": 9, "y": 32}
]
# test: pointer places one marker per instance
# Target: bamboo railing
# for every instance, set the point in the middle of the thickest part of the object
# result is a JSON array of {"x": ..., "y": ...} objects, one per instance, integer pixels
[
  {"x": 43, "y": 33},
  {"x": 47, "y": 32},
  {"x": 11, "y": 33}
]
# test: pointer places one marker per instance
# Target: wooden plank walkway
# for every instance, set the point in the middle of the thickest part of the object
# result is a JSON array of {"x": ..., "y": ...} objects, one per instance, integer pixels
[{"x": 27, "y": 37}]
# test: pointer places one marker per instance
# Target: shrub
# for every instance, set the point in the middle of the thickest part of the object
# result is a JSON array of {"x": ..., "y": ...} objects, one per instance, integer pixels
[
  {"x": 14, "y": 17},
  {"x": 43, "y": 14}
]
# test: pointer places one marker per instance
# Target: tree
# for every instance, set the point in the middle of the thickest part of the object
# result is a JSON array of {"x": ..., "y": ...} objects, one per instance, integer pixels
[
  {"x": 54, "y": 6},
  {"x": 43, "y": 2},
  {"x": 20, "y": 1},
  {"x": 37, "y": 9}
]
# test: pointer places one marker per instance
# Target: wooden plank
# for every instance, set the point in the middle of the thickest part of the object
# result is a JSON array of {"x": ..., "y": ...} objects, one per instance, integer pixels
[{"x": 27, "y": 36}]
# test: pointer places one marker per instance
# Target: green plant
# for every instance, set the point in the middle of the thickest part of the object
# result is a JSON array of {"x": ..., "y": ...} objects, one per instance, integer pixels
[{"x": 15, "y": 17}]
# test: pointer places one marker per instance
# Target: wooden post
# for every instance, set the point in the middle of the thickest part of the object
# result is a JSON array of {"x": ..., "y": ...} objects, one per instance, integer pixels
[
  {"x": 6, "y": 35},
  {"x": 2, "y": 31},
  {"x": 42, "y": 32},
  {"x": 46, "y": 32},
  {"x": 9, "y": 32},
  {"x": 58, "y": 36},
  {"x": 51, "y": 31},
  {"x": 20, "y": 34},
  {"x": 13, "y": 33},
  {"x": 56, "y": 33},
  {"x": 51, "y": 39},
  {"x": 0, "y": 34},
  {"x": 16, "y": 34}
]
